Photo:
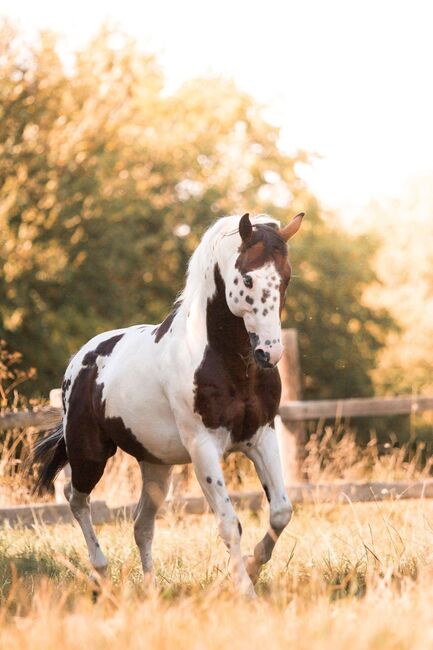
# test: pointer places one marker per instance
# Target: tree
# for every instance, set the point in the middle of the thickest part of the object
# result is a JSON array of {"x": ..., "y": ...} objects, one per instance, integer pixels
[{"x": 103, "y": 176}]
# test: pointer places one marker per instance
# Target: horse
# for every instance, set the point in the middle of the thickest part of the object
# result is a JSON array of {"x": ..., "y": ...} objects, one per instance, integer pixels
[{"x": 201, "y": 384}]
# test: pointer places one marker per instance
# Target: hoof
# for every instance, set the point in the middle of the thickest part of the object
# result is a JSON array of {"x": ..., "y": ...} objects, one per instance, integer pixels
[
  {"x": 99, "y": 562},
  {"x": 253, "y": 569},
  {"x": 96, "y": 585},
  {"x": 149, "y": 580},
  {"x": 249, "y": 593}
]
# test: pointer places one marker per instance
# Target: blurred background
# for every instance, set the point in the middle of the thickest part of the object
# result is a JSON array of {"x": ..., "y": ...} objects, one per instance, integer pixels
[{"x": 127, "y": 128}]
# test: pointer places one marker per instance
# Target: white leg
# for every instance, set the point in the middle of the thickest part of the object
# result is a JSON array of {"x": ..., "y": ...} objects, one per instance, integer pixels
[
  {"x": 60, "y": 484},
  {"x": 266, "y": 458},
  {"x": 79, "y": 503},
  {"x": 206, "y": 461},
  {"x": 156, "y": 481}
]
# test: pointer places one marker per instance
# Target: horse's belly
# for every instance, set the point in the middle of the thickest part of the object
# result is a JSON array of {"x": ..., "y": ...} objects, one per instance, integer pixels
[
  {"x": 146, "y": 414},
  {"x": 159, "y": 434}
]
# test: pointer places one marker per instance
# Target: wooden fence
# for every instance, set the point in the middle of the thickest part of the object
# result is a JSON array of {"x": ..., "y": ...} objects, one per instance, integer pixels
[{"x": 294, "y": 413}]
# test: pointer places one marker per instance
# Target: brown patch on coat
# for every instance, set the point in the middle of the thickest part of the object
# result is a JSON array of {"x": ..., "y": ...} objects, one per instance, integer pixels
[
  {"x": 104, "y": 349},
  {"x": 166, "y": 323},
  {"x": 65, "y": 386},
  {"x": 264, "y": 246},
  {"x": 231, "y": 391},
  {"x": 92, "y": 437}
]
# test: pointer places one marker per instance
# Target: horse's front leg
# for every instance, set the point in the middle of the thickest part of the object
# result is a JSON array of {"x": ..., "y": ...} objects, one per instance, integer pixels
[
  {"x": 205, "y": 456},
  {"x": 266, "y": 458}
]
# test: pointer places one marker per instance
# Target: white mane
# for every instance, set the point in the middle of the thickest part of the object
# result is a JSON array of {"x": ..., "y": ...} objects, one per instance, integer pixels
[{"x": 200, "y": 275}]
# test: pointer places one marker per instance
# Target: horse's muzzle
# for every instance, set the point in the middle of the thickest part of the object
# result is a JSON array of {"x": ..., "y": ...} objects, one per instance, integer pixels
[{"x": 262, "y": 358}]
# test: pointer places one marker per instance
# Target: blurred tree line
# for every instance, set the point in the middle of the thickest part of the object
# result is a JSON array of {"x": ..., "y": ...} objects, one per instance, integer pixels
[{"x": 107, "y": 183}]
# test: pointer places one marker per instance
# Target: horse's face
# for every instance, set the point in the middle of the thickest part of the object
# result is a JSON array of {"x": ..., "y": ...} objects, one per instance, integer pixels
[{"x": 257, "y": 284}]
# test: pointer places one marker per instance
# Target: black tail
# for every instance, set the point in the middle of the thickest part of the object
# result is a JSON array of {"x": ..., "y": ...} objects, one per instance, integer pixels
[{"x": 51, "y": 455}]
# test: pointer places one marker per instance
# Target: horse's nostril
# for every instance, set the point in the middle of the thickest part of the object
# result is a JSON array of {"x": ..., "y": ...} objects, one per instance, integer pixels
[{"x": 262, "y": 357}]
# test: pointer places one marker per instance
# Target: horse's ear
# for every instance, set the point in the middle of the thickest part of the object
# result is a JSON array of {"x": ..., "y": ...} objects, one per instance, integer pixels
[
  {"x": 292, "y": 228},
  {"x": 245, "y": 227}
]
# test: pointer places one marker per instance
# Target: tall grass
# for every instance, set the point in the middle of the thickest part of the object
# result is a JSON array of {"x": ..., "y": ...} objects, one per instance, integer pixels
[
  {"x": 342, "y": 576},
  {"x": 331, "y": 455}
]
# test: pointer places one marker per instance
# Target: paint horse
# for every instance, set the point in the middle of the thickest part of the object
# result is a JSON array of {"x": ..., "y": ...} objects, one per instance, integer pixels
[{"x": 201, "y": 384}]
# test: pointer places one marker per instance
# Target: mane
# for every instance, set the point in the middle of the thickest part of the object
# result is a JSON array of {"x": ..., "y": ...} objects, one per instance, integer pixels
[{"x": 221, "y": 240}]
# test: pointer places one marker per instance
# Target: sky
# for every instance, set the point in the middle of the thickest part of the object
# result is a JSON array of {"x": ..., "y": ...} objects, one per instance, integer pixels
[{"x": 348, "y": 80}]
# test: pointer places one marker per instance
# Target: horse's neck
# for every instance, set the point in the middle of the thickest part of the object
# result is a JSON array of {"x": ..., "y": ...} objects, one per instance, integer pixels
[
  {"x": 226, "y": 332},
  {"x": 208, "y": 321}
]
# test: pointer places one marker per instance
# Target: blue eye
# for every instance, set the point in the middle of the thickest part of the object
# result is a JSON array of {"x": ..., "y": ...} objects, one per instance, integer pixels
[{"x": 248, "y": 281}]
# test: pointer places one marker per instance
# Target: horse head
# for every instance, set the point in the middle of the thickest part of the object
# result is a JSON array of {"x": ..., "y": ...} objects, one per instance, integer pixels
[{"x": 256, "y": 284}]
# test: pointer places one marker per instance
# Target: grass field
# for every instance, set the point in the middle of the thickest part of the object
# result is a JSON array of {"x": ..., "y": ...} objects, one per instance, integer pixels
[{"x": 347, "y": 576}]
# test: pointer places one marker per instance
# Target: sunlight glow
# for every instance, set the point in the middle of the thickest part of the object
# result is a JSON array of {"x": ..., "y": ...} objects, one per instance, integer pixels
[{"x": 348, "y": 81}]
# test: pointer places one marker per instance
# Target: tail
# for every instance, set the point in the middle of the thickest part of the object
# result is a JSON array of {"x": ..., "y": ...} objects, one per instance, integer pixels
[{"x": 51, "y": 456}]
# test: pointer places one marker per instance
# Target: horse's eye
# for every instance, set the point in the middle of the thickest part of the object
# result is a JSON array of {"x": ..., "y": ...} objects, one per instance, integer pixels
[{"x": 248, "y": 281}]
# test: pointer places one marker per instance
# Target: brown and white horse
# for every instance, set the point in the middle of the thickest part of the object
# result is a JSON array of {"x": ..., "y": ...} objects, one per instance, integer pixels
[{"x": 201, "y": 384}]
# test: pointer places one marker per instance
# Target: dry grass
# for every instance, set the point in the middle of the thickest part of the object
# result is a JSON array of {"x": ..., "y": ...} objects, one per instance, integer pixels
[
  {"x": 354, "y": 575},
  {"x": 346, "y": 576},
  {"x": 331, "y": 455}
]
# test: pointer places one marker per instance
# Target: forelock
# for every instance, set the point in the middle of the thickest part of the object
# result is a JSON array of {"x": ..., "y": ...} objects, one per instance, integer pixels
[{"x": 265, "y": 245}]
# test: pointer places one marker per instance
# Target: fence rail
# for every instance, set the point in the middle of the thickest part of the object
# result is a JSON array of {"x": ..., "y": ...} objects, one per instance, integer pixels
[
  {"x": 294, "y": 411},
  {"x": 355, "y": 407}
]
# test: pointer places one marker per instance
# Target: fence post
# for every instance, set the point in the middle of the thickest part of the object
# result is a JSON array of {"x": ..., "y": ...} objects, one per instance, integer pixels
[{"x": 292, "y": 435}]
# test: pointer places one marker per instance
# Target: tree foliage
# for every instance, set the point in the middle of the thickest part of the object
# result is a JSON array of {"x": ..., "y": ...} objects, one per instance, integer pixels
[{"x": 107, "y": 183}]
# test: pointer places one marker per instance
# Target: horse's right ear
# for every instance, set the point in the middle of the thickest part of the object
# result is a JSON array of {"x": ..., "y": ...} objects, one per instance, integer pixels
[{"x": 245, "y": 227}]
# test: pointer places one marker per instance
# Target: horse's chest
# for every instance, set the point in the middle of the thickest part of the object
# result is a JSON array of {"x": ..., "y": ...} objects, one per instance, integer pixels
[{"x": 235, "y": 398}]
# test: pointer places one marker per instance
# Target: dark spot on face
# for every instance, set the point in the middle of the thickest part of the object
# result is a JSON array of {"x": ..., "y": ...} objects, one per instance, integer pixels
[
  {"x": 235, "y": 280},
  {"x": 269, "y": 284},
  {"x": 284, "y": 497},
  {"x": 219, "y": 482},
  {"x": 271, "y": 307},
  {"x": 274, "y": 298},
  {"x": 208, "y": 479},
  {"x": 266, "y": 490},
  {"x": 227, "y": 499},
  {"x": 255, "y": 310},
  {"x": 249, "y": 300},
  {"x": 265, "y": 312},
  {"x": 236, "y": 300},
  {"x": 239, "y": 527},
  {"x": 267, "y": 342},
  {"x": 166, "y": 323},
  {"x": 265, "y": 295},
  {"x": 249, "y": 444},
  {"x": 230, "y": 294},
  {"x": 274, "y": 340}
]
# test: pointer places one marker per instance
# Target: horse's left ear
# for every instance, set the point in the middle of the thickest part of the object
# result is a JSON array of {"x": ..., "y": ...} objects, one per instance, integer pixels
[
  {"x": 245, "y": 227},
  {"x": 292, "y": 228}
]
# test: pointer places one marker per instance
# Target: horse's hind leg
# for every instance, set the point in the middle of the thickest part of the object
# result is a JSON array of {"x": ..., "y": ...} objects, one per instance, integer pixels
[
  {"x": 156, "y": 481},
  {"x": 85, "y": 476}
]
